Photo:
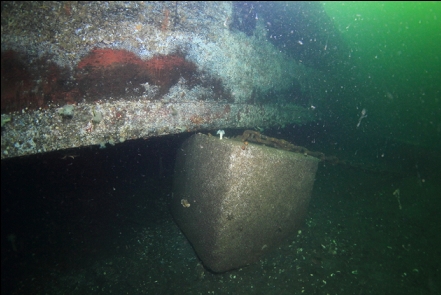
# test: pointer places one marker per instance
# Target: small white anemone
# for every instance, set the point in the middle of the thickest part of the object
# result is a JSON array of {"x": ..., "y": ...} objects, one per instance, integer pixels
[{"x": 221, "y": 133}]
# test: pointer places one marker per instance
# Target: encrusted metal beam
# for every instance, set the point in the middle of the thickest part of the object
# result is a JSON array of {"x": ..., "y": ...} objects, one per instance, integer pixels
[
  {"x": 96, "y": 73},
  {"x": 111, "y": 122}
]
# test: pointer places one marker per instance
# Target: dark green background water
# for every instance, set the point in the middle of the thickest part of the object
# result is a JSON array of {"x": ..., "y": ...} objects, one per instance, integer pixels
[{"x": 396, "y": 47}]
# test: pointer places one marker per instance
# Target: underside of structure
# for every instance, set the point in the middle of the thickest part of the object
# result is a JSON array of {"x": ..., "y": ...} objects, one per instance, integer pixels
[{"x": 90, "y": 73}]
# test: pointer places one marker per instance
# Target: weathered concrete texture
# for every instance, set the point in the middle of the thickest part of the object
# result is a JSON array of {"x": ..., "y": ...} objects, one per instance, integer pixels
[{"x": 235, "y": 202}]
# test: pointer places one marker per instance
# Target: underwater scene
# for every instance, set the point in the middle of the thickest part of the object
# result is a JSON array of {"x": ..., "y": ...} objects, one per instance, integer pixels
[{"x": 221, "y": 147}]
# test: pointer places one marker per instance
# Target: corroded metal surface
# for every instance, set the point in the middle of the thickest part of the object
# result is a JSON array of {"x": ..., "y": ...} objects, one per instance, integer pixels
[
  {"x": 113, "y": 122},
  {"x": 85, "y": 73}
]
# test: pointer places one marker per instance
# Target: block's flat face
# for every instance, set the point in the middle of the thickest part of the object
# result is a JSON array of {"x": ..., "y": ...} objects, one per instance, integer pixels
[{"x": 235, "y": 204}]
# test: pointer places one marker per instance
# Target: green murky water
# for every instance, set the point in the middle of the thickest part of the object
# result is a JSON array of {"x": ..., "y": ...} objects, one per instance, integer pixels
[{"x": 396, "y": 47}]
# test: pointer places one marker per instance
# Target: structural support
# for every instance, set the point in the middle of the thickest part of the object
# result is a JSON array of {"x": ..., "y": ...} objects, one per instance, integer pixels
[{"x": 235, "y": 202}]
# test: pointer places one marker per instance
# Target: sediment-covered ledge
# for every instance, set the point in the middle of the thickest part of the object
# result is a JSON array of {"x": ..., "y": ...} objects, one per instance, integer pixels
[{"x": 38, "y": 131}]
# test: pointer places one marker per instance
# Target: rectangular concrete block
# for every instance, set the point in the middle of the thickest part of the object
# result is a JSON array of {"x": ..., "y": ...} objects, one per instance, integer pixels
[{"x": 234, "y": 202}]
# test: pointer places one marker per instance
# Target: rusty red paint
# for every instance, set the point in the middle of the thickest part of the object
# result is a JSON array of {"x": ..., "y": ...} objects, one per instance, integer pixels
[
  {"x": 116, "y": 73},
  {"x": 16, "y": 83},
  {"x": 104, "y": 58},
  {"x": 25, "y": 87},
  {"x": 101, "y": 74}
]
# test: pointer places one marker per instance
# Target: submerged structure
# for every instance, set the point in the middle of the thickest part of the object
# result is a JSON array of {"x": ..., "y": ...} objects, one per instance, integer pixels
[
  {"x": 92, "y": 73},
  {"x": 236, "y": 201}
]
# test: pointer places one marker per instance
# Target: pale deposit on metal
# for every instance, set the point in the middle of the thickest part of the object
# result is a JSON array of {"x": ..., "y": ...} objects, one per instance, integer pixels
[{"x": 94, "y": 73}]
